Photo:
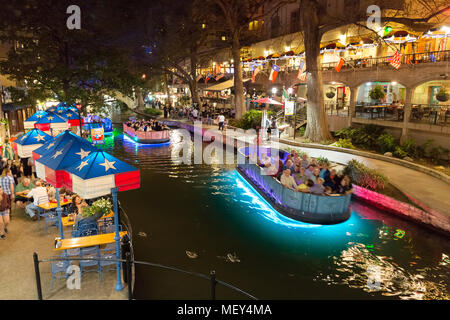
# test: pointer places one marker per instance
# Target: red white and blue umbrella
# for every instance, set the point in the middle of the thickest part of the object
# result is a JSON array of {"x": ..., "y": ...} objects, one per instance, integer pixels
[
  {"x": 50, "y": 166},
  {"x": 57, "y": 143},
  {"x": 29, "y": 123},
  {"x": 30, "y": 141},
  {"x": 50, "y": 122},
  {"x": 95, "y": 175}
]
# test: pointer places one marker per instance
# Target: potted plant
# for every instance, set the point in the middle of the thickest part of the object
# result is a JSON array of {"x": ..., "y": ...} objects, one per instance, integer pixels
[
  {"x": 442, "y": 95},
  {"x": 330, "y": 94},
  {"x": 101, "y": 205},
  {"x": 377, "y": 94}
]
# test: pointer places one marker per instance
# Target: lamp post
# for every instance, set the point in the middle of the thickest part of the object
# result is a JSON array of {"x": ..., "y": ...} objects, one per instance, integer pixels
[
  {"x": 79, "y": 119},
  {"x": 119, "y": 285}
]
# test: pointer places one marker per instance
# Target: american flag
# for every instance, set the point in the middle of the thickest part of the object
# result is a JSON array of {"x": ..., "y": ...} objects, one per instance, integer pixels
[
  {"x": 395, "y": 61},
  {"x": 302, "y": 71}
]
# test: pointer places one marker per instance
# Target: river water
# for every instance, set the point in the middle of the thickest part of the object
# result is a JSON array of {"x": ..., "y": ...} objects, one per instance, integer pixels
[{"x": 206, "y": 217}]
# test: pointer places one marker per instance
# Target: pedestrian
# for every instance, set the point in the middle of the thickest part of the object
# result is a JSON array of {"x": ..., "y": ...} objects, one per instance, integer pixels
[
  {"x": 165, "y": 111},
  {"x": 221, "y": 119},
  {"x": 7, "y": 184},
  {"x": 5, "y": 207}
]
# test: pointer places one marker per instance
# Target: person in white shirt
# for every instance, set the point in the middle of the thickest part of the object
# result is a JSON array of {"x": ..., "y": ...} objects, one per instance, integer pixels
[
  {"x": 221, "y": 119},
  {"x": 287, "y": 180},
  {"x": 40, "y": 196}
]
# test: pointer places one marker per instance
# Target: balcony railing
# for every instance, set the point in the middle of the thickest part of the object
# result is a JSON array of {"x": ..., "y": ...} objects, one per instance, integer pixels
[
  {"x": 408, "y": 59},
  {"x": 436, "y": 115}
]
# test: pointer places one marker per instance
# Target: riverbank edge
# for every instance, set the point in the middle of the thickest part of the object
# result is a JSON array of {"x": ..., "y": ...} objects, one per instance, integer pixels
[{"x": 430, "y": 218}]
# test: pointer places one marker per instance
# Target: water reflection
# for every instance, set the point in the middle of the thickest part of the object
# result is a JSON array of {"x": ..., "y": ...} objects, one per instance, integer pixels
[{"x": 209, "y": 212}]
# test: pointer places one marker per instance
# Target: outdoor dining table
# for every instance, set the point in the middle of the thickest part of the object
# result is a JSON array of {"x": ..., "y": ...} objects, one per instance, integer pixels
[
  {"x": 89, "y": 241},
  {"x": 53, "y": 205},
  {"x": 67, "y": 223},
  {"x": 372, "y": 108}
]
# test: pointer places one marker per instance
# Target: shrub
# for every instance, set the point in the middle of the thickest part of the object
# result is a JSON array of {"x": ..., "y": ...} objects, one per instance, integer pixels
[
  {"x": 364, "y": 176},
  {"x": 252, "y": 119},
  {"x": 343, "y": 143},
  {"x": 386, "y": 143},
  {"x": 377, "y": 93},
  {"x": 322, "y": 159},
  {"x": 153, "y": 112},
  {"x": 364, "y": 136},
  {"x": 302, "y": 131},
  {"x": 399, "y": 152}
]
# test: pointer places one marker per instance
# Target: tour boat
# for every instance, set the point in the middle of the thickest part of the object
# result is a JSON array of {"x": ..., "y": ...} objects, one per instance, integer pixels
[
  {"x": 150, "y": 137},
  {"x": 300, "y": 206}
]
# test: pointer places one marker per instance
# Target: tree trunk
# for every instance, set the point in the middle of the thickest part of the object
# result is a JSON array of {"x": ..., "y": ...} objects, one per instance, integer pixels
[
  {"x": 238, "y": 84},
  {"x": 140, "y": 100},
  {"x": 317, "y": 126},
  {"x": 193, "y": 82},
  {"x": 166, "y": 83}
]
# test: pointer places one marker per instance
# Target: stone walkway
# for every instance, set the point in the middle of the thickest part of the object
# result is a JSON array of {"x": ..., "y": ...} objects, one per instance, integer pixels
[
  {"x": 431, "y": 192},
  {"x": 17, "y": 276}
]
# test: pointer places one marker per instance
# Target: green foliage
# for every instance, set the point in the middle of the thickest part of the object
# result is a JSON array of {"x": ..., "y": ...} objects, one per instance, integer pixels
[
  {"x": 153, "y": 112},
  {"x": 435, "y": 153},
  {"x": 101, "y": 205},
  {"x": 377, "y": 93},
  {"x": 399, "y": 152},
  {"x": 302, "y": 130},
  {"x": 322, "y": 159},
  {"x": 386, "y": 143},
  {"x": 365, "y": 136},
  {"x": 365, "y": 177},
  {"x": 251, "y": 119},
  {"x": 343, "y": 143}
]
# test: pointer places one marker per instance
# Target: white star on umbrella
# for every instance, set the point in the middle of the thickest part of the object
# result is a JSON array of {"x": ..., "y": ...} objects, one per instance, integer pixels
[
  {"x": 83, "y": 153},
  {"x": 60, "y": 111},
  {"x": 69, "y": 115},
  {"x": 57, "y": 153},
  {"x": 39, "y": 116},
  {"x": 39, "y": 137},
  {"x": 108, "y": 164},
  {"x": 82, "y": 164},
  {"x": 50, "y": 145},
  {"x": 50, "y": 118}
]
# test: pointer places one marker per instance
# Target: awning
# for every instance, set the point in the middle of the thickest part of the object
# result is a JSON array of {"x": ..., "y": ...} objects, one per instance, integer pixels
[
  {"x": 12, "y": 107},
  {"x": 223, "y": 85}
]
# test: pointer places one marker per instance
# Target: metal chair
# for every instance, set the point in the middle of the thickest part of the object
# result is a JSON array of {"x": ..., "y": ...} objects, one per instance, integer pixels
[
  {"x": 57, "y": 267},
  {"x": 90, "y": 252},
  {"x": 106, "y": 263},
  {"x": 50, "y": 216}
]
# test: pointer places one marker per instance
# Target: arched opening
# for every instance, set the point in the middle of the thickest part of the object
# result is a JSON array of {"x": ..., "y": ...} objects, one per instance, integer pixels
[
  {"x": 431, "y": 103},
  {"x": 381, "y": 101},
  {"x": 336, "y": 98}
]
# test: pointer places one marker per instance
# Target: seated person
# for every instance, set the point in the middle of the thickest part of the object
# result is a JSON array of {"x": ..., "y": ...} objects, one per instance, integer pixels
[
  {"x": 305, "y": 162},
  {"x": 40, "y": 196},
  {"x": 331, "y": 180},
  {"x": 345, "y": 187},
  {"x": 287, "y": 180},
  {"x": 77, "y": 205},
  {"x": 328, "y": 191},
  {"x": 24, "y": 186},
  {"x": 300, "y": 177},
  {"x": 324, "y": 171},
  {"x": 314, "y": 175},
  {"x": 318, "y": 187},
  {"x": 305, "y": 187},
  {"x": 289, "y": 165}
]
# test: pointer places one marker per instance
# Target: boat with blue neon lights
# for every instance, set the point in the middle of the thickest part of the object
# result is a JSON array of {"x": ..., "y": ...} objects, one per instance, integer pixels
[
  {"x": 149, "y": 137},
  {"x": 300, "y": 206}
]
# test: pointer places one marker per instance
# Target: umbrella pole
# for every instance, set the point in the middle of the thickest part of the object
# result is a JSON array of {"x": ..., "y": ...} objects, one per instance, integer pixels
[
  {"x": 58, "y": 211},
  {"x": 119, "y": 285}
]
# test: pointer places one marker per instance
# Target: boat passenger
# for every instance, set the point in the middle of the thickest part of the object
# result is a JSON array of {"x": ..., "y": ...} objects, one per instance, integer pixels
[
  {"x": 289, "y": 165},
  {"x": 287, "y": 180},
  {"x": 300, "y": 177},
  {"x": 331, "y": 180},
  {"x": 318, "y": 187},
  {"x": 305, "y": 162},
  {"x": 345, "y": 187}
]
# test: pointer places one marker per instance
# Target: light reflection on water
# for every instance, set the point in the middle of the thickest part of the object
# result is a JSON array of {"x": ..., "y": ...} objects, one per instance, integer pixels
[{"x": 216, "y": 215}]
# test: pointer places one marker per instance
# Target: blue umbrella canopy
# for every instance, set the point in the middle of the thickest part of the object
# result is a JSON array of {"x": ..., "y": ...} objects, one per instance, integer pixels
[
  {"x": 98, "y": 164},
  {"x": 34, "y": 136},
  {"x": 66, "y": 113},
  {"x": 59, "y": 141},
  {"x": 37, "y": 116}
]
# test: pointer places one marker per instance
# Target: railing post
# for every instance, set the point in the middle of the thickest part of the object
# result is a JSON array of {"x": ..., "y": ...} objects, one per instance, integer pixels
[
  {"x": 38, "y": 276},
  {"x": 129, "y": 282},
  {"x": 213, "y": 284}
]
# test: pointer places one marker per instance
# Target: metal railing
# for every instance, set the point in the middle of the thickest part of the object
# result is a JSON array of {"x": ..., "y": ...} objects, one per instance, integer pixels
[
  {"x": 424, "y": 113},
  {"x": 129, "y": 263},
  {"x": 406, "y": 59},
  {"x": 337, "y": 109}
]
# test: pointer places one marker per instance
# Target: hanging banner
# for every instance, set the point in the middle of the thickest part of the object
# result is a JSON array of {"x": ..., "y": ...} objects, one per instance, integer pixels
[
  {"x": 98, "y": 136},
  {"x": 289, "y": 108}
]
